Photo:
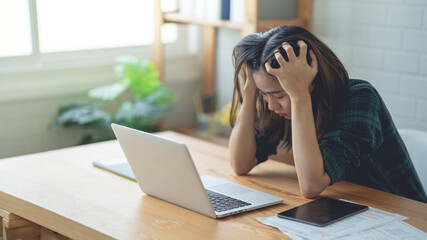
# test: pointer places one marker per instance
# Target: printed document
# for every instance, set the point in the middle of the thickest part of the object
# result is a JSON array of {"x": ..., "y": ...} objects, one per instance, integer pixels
[{"x": 372, "y": 224}]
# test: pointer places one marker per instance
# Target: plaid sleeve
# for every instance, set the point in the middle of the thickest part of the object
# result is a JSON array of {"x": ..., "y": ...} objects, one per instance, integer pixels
[
  {"x": 338, "y": 153},
  {"x": 356, "y": 129}
]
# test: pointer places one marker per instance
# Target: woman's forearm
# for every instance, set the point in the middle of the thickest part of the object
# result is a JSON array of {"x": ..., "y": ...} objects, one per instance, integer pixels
[
  {"x": 242, "y": 143},
  {"x": 307, "y": 156}
]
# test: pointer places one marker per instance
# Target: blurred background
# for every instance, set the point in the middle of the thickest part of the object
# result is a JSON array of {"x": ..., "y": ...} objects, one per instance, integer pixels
[{"x": 54, "y": 52}]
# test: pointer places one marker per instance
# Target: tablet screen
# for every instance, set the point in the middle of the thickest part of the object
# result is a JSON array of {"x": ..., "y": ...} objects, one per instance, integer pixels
[{"x": 322, "y": 212}]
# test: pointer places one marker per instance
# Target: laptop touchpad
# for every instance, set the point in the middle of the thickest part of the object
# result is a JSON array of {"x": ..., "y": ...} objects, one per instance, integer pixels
[{"x": 230, "y": 189}]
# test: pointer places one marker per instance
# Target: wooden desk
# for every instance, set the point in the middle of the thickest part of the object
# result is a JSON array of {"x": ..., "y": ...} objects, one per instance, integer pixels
[{"x": 62, "y": 191}]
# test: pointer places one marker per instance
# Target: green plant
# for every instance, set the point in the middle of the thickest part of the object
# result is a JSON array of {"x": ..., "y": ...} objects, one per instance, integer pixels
[{"x": 149, "y": 100}]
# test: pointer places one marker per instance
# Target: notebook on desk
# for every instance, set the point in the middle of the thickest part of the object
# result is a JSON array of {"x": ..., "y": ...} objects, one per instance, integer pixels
[
  {"x": 164, "y": 169},
  {"x": 119, "y": 166}
]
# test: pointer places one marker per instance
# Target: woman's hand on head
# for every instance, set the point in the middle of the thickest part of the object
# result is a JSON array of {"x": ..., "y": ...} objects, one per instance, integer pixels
[{"x": 295, "y": 76}]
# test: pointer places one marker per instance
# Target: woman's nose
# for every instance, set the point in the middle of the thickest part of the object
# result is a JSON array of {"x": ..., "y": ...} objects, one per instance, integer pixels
[{"x": 272, "y": 104}]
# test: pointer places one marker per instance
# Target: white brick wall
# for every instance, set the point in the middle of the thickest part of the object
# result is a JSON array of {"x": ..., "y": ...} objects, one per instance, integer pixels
[
  {"x": 385, "y": 38},
  {"x": 423, "y": 113},
  {"x": 423, "y": 65},
  {"x": 401, "y": 62},
  {"x": 385, "y": 43},
  {"x": 406, "y": 16},
  {"x": 425, "y": 18}
]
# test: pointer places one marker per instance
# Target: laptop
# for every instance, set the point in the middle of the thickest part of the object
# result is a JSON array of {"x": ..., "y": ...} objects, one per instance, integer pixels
[{"x": 164, "y": 169}]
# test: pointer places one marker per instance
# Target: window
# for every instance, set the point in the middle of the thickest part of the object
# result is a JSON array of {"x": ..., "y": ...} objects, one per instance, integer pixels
[
  {"x": 80, "y": 24},
  {"x": 78, "y": 29},
  {"x": 15, "y": 38}
]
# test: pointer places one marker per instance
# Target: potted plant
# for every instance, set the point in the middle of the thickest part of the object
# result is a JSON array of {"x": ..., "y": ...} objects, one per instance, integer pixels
[{"x": 142, "y": 99}]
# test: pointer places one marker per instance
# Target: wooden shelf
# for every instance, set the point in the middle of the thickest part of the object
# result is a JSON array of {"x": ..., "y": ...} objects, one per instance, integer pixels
[
  {"x": 267, "y": 25},
  {"x": 176, "y": 18},
  {"x": 261, "y": 26}
]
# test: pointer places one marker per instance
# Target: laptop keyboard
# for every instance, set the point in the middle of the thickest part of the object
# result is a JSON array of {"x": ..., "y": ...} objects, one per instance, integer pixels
[{"x": 221, "y": 203}]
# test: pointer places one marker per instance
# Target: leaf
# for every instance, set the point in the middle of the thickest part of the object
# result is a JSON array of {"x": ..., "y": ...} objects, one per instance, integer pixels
[
  {"x": 146, "y": 82},
  {"x": 141, "y": 74},
  {"x": 162, "y": 96},
  {"x": 70, "y": 106},
  {"x": 109, "y": 92},
  {"x": 81, "y": 114},
  {"x": 63, "y": 109}
]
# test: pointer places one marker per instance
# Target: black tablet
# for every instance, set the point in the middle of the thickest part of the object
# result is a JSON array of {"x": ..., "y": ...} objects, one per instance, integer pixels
[{"x": 322, "y": 212}]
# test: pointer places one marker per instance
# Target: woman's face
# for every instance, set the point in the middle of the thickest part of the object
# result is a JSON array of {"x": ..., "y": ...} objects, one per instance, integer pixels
[{"x": 278, "y": 100}]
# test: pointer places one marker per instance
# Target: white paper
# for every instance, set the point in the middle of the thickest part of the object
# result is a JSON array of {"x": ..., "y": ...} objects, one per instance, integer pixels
[
  {"x": 396, "y": 230},
  {"x": 354, "y": 224},
  {"x": 292, "y": 236}
]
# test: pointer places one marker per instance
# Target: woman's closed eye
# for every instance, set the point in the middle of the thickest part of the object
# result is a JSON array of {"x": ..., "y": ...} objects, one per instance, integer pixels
[{"x": 279, "y": 96}]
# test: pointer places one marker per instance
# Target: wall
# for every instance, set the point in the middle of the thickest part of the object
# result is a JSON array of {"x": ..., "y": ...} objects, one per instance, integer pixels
[{"x": 385, "y": 43}]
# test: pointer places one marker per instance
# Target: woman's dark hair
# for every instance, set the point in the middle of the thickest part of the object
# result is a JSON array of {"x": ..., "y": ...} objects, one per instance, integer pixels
[{"x": 254, "y": 50}]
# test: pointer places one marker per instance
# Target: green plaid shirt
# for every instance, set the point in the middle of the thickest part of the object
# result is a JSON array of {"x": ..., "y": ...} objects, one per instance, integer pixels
[{"x": 363, "y": 146}]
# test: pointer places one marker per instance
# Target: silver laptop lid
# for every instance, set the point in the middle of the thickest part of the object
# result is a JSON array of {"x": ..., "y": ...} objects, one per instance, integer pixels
[{"x": 164, "y": 169}]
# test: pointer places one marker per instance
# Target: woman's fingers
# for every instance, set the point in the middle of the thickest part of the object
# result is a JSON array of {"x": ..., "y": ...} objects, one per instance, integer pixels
[
  {"x": 270, "y": 69},
  {"x": 302, "y": 50},
  {"x": 249, "y": 88},
  {"x": 280, "y": 59},
  {"x": 249, "y": 74},
  {"x": 292, "y": 58},
  {"x": 249, "y": 78},
  {"x": 313, "y": 60},
  {"x": 289, "y": 51}
]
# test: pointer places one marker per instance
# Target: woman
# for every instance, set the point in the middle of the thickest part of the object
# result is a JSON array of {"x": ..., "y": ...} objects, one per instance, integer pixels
[{"x": 296, "y": 102}]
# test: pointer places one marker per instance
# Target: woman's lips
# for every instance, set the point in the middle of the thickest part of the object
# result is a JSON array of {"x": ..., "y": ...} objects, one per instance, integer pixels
[{"x": 284, "y": 115}]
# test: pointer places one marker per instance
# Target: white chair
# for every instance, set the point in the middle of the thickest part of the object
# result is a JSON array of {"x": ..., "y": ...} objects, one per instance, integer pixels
[{"x": 416, "y": 143}]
